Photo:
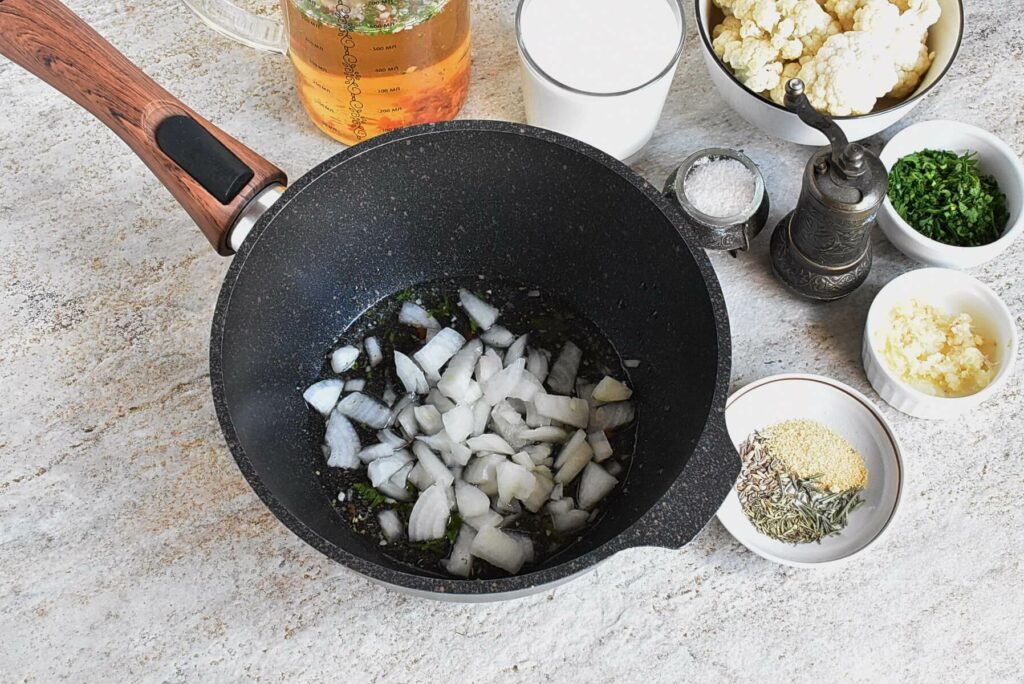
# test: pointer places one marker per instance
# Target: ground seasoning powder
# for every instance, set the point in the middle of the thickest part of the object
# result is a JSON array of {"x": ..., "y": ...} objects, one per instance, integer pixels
[{"x": 800, "y": 481}]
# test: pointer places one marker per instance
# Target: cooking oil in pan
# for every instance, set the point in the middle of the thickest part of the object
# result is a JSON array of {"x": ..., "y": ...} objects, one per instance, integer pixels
[
  {"x": 364, "y": 68},
  {"x": 550, "y": 323}
]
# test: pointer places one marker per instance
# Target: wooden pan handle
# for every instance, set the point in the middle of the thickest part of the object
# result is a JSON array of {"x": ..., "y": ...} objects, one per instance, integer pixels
[{"x": 210, "y": 173}]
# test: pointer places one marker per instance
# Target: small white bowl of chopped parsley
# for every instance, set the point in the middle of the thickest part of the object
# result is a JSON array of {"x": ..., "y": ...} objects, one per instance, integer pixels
[
  {"x": 956, "y": 194},
  {"x": 821, "y": 473}
]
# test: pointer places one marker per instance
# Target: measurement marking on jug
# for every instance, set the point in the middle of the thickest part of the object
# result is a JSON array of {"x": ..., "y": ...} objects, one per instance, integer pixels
[{"x": 351, "y": 71}]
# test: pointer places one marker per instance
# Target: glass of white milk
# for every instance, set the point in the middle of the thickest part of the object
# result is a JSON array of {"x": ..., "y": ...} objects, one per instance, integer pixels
[{"x": 599, "y": 70}]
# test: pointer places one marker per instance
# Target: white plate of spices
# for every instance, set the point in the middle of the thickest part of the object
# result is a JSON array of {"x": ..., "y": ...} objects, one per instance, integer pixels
[{"x": 822, "y": 473}]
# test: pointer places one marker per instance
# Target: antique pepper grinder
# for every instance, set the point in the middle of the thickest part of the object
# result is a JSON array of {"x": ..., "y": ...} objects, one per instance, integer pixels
[{"x": 822, "y": 250}]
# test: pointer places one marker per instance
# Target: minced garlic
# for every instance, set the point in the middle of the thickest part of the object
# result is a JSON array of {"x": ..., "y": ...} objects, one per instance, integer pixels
[
  {"x": 934, "y": 353},
  {"x": 809, "y": 449}
]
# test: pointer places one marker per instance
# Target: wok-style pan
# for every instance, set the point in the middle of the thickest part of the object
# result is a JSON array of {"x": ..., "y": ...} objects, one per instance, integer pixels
[{"x": 460, "y": 198}]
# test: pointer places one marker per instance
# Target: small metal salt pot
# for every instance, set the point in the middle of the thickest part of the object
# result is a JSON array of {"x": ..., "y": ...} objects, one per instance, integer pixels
[
  {"x": 822, "y": 249},
  {"x": 720, "y": 232}
]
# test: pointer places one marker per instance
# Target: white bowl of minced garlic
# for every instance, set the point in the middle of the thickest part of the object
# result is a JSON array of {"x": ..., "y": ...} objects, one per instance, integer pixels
[{"x": 938, "y": 343}]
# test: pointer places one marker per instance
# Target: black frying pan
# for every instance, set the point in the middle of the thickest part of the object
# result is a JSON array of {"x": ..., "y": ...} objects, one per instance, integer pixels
[{"x": 458, "y": 198}]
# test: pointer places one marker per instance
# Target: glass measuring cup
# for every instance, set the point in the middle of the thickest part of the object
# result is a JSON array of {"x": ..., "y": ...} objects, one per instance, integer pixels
[
  {"x": 362, "y": 68},
  {"x": 599, "y": 70}
]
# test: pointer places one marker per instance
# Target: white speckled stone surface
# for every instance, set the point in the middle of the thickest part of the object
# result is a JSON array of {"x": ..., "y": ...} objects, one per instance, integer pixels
[{"x": 131, "y": 548}]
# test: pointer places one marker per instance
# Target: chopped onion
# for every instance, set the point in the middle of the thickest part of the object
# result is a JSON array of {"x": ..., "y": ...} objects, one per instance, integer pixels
[
  {"x": 373, "y": 351},
  {"x": 559, "y": 506},
  {"x": 364, "y": 409},
  {"x": 470, "y": 500},
  {"x": 415, "y": 315},
  {"x": 389, "y": 395},
  {"x": 534, "y": 419},
  {"x": 574, "y": 443},
  {"x": 614, "y": 468},
  {"x": 498, "y": 336},
  {"x": 569, "y": 410},
  {"x": 562, "y": 376},
  {"x": 508, "y": 423},
  {"x": 456, "y": 379},
  {"x": 527, "y": 387},
  {"x": 609, "y": 390},
  {"x": 488, "y": 366},
  {"x": 488, "y": 519},
  {"x": 526, "y": 543},
  {"x": 631, "y": 363},
  {"x": 584, "y": 389},
  {"x": 473, "y": 392},
  {"x": 523, "y": 459},
  {"x": 382, "y": 469},
  {"x": 460, "y": 562},
  {"x": 600, "y": 444},
  {"x": 569, "y": 522},
  {"x": 395, "y": 487},
  {"x": 324, "y": 395},
  {"x": 500, "y": 385},
  {"x": 482, "y": 313},
  {"x": 537, "y": 363},
  {"x": 481, "y": 414},
  {"x": 429, "y": 517},
  {"x": 460, "y": 454},
  {"x": 558, "y": 492},
  {"x": 407, "y": 419},
  {"x": 516, "y": 351},
  {"x": 490, "y": 443},
  {"x": 389, "y": 437},
  {"x": 541, "y": 491},
  {"x": 538, "y": 452},
  {"x": 611, "y": 416},
  {"x": 498, "y": 549},
  {"x": 391, "y": 525},
  {"x": 372, "y": 453},
  {"x": 344, "y": 358},
  {"x": 595, "y": 484},
  {"x": 514, "y": 482},
  {"x": 483, "y": 472},
  {"x": 435, "y": 353},
  {"x": 429, "y": 419},
  {"x": 410, "y": 374},
  {"x": 433, "y": 466},
  {"x": 510, "y": 510},
  {"x": 419, "y": 477},
  {"x": 573, "y": 461},
  {"x": 341, "y": 442},
  {"x": 458, "y": 423},
  {"x": 355, "y": 385},
  {"x": 544, "y": 434}
]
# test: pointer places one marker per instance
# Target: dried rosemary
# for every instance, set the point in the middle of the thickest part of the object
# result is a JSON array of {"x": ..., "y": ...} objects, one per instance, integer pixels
[{"x": 784, "y": 505}]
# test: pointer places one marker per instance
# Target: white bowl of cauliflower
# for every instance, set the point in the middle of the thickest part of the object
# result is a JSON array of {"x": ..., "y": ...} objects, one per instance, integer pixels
[{"x": 866, "y": 63}]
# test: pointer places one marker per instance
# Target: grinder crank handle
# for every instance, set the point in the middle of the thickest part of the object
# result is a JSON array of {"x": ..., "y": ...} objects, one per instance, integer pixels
[
  {"x": 212, "y": 175},
  {"x": 847, "y": 157}
]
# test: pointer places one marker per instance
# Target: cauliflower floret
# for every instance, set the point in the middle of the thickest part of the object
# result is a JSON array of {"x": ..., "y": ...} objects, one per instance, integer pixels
[
  {"x": 849, "y": 73},
  {"x": 778, "y": 93},
  {"x": 754, "y": 61},
  {"x": 904, "y": 35}
]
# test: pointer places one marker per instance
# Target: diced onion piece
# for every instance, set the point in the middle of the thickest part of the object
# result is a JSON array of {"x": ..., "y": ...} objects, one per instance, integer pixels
[
  {"x": 389, "y": 395},
  {"x": 584, "y": 389},
  {"x": 372, "y": 453},
  {"x": 541, "y": 492},
  {"x": 488, "y": 519},
  {"x": 559, "y": 506},
  {"x": 364, "y": 409},
  {"x": 510, "y": 510},
  {"x": 537, "y": 364},
  {"x": 382, "y": 469},
  {"x": 562, "y": 375},
  {"x": 473, "y": 393},
  {"x": 491, "y": 443},
  {"x": 410, "y": 374},
  {"x": 341, "y": 442},
  {"x": 558, "y": 492},
  {"x": 538, "y": 452},
  {"x": 344, "y": 358},
  {"x": 483, "y": 472},
  {"x": 487, "y": 366},
  {"x": 355, "y": 385},
  {"x": 415, "y": 315},
  {"x": 433, "y": 467},
  {"x": 455, "y": 381},
  {"x": 516, "y": 351},
  {"x": 527, "y": 387},
  {"x": 631, "y": 363},
  {"x": 391, "y": 525},
  {"x": 610, "y": 389},
  {"x": 480, "y": 311},
  {"x": 508, "y": 423},
  {"x": 442, "y": 403},
  {"x": 460, "y": 454},
  {"x": 534, "y": 419},
  {"x": 324, "y": 395},
  {"x": 595, "y": 484},
  {"x": 429, "y": 419},
  {"x": 499, "y": 549},
  {"x": 389, "y": 437},
  {"x": 373, "y": 351},
  {"x": 429, "y": 517},
  {"x": 458, "y": 423},
  {"x": 500, "y": 385},
  {"x": 525, "y": 542},
  {"x": 407, "y": 419},
  {"x": 498, "y": 336},
  {"x": 460, "y": 562},
  {"x": 614, "y": 468},
  {"x": 435, "y": 353},
  {"x": 600, "y": 444},
  {"x": 569, "y": 522},
  {"x": 611, "y": 416},
  {"x": 544, "y": 434},
  {"x": 523, "y": 459},
  {"x": 470, "y": 500},
  {"x": 514, "y": 482},
  {"x": 419, "y": 477},
  {"x": 569, "y": 410},
  {"x": 481, "y": 414},
  {"x": 573, "y": 457}
]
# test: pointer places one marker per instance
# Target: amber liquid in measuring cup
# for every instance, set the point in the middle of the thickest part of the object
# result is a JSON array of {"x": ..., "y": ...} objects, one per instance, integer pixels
[{"x": 367, "y": 68}]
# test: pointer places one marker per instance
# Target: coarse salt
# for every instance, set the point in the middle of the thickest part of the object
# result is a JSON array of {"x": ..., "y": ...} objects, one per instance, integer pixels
[{"x": 719, "y": 187}]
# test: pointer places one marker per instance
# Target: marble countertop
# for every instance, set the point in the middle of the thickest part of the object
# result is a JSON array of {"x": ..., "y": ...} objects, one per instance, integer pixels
[{"x": 132, "y": 549}]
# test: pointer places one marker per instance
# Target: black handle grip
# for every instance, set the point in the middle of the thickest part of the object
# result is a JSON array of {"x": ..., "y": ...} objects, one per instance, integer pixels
[{"x": 203, "y": 157}]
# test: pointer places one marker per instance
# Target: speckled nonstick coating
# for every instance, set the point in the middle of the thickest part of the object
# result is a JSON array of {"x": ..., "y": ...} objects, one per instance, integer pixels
[{"x": 476, "y": 197}]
